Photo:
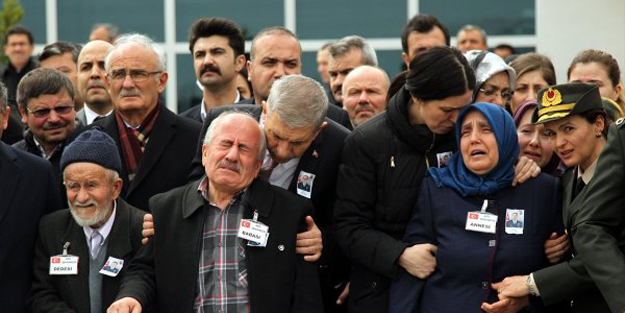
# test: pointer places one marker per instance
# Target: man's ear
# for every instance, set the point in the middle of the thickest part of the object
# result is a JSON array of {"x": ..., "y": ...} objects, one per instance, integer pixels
[
  {"x": 249, "y": 70},
  {"x": 406, "y": 59},
  {"x": 23, "y": 114}
]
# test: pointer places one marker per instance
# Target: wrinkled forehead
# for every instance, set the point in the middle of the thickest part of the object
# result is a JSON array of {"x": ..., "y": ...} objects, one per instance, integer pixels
[{"x": 135, "y": 56}]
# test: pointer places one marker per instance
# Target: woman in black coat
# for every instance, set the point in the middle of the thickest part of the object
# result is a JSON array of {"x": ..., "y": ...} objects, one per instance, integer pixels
[{"x": 484, "y": 228}]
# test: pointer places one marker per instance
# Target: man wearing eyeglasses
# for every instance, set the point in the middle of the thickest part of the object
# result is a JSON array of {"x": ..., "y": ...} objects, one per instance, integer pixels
[
  {"x": 495, "y": 79},
  {"x": 46, "y": 103},
  {"x": 156, "y": 146}
]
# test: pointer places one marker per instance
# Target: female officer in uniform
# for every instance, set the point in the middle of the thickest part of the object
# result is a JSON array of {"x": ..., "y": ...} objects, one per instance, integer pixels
[
  {"x": 573, "y": 115},
  {"x": 477, "y": 247}
]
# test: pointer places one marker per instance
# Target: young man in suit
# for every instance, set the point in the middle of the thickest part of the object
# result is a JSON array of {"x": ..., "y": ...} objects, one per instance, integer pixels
[
  {"x": 217, "y": 48},
  {"x": 212, "y": 250},
  {"x": 97, "y": 229}
]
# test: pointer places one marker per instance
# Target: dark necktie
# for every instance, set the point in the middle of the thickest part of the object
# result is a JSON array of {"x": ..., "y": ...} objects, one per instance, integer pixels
[
  {"x": 98, "y": 118},
  {"x": 579, "y": 186}
]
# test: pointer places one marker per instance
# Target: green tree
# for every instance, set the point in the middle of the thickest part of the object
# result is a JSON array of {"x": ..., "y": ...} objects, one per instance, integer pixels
[{"x": 11, "y": 14}]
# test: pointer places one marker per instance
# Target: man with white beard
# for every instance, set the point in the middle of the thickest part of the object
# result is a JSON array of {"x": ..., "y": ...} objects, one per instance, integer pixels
[{"x": 82, "y": 252}]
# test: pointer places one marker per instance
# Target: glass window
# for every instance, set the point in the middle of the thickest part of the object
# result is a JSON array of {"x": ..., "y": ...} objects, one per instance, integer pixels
[
  {"x": 245, "y": 13},
  {"x": 76, "y": 18},
  {"x": 322, "y": 19},
  {"x": 34, "y": 19},
  {"x": 496, "y": 17}
]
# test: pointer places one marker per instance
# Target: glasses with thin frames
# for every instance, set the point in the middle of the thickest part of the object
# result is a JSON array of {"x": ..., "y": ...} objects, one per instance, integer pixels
[
  {"x": 506, "y": 95},
  {"x": 60, "y": 110},
  {"x": 137, "y": 76}
]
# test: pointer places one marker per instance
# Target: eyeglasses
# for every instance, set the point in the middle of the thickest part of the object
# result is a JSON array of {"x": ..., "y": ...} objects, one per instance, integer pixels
[
  {"x": 60, "y": 110},
  {"x": 136, "y": 75},
  {"x": 506, "y": 95}
]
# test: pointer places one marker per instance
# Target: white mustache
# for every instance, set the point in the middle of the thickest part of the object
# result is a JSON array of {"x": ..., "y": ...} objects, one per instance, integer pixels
[{"x": 129, "y": 92}]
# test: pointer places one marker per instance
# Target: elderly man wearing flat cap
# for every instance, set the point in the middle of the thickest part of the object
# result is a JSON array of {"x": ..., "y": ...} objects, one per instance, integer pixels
[{"x": 76, "y": 246}]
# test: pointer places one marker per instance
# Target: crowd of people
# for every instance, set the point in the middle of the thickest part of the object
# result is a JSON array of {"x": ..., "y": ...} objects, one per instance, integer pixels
[{"x": 471, "y": 181}]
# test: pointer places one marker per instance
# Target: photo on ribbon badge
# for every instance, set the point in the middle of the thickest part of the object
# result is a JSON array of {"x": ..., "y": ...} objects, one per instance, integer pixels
[{"x": 515, "y": 219}]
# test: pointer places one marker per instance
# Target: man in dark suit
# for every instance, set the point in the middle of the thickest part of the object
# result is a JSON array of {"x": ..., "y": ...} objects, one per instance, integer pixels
[
  {"x": 217, "y": 48},
  {"x": 276, "y": 52},
  {"x": 226, "y": 270},
  {"x": 301, "y": 142},
  {"x": 90, "y": 83},
  {"x": 28, "y": 192},
  {"x": 98, "y": 228},
  {"x": 155, "y": 145}
]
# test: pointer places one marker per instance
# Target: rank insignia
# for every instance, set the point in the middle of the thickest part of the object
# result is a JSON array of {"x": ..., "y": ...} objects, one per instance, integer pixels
[{"x": 551, "y": 97}]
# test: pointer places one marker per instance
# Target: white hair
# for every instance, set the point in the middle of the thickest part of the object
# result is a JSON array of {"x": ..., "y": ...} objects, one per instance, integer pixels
[
  {"x": 134, "y": 38},
  {"x": 298, "y": 100},
  {"x": 210, "y": 132}
]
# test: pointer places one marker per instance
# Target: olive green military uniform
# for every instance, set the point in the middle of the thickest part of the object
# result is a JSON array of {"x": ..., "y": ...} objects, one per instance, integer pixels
[{"x": 570, "y": 280}]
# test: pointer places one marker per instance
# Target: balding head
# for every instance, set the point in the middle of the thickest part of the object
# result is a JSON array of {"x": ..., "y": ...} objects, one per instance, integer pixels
[
  {"x": 364, "y": 93},
  {"x": 90, "y": 78}
]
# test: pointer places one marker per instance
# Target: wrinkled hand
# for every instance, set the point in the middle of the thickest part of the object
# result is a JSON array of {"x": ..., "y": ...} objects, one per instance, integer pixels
[
  {"x": 419, "y": 260},
  {"x": 343, "y": 295},
  {"x": 512, "y": 287},
  {"x": 556, "y": 247},
  {"x": 148, "y": 228},
  {"x": 506, "y": 305},
  {"x": 125, "y": 305},
  {"x": 524, "y": 169},
  {"x": 310, "y": 243}
]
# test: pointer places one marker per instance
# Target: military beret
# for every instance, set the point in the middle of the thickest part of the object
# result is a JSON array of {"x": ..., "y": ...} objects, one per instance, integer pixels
[{"x": 559, "y": 101}]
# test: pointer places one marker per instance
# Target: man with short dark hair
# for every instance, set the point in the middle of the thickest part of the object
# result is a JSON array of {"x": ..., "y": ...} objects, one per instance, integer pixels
[
  {"x": 156, "y": 146},
  {"x": 63, "y": 56},
  {"x": 46, "y": 100},
  {"x": 104, "y": 31},
  {"x": 276, "y": 52},
  {"x": 28, "y": 192},
  {"x": 422, "y": 32},
  {"x": 99, "y": 228},
  {"x": 218, "y": 51},
  {"x": 19, "y": 46},
  {"x": 346, "y": 55},
  {"x": 91, "y": 84},
  {"x": 226, "y": 242},
  {"x": 471, "y": 37}
]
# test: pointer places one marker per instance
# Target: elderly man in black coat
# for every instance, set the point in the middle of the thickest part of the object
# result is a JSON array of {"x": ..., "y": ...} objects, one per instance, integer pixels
[
  {"x": 97, "y": 230},
  {"x": 226, "y": 242}
]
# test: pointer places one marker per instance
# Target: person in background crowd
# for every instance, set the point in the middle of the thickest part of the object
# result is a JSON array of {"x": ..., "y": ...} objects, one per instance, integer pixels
[
  {"x": 471, "y": 37},
  {"x": 422, "y": 32},
  {"x": 29, "y": 191},
  {"x": 504, "y": 50},
  {"x": 322, "y": 62},
  {"x": 46, "y": 100},
  {"x": 104, "y": 31},
  {"x": 534, "y": 72},
  {"x": 18, "y": 47},
  {"x": 244, "y": 87},
  {"x": 345, "y": 55},
  {"x": 155, "y": 145},
  {"x": 573, "y": 116},
  {"x": 275, "y": 53},
  {"x": 364, "y": 93},
  {"x": 91, "y": 84},
  {"x": 218, "y": 51},
  {"x": 447, "y": 211},
  {"x": 601, "y": 68},
  {"x": 224, "y": 272},
  {"x": 99, "y": 227},
  {"x": 63, "y": 56},
  {"x": 495, "y": 79},
  {"x": 613, "y": 110},
  {"x": 534, "y": 142},
  {"x": 322, "y": 68}
]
